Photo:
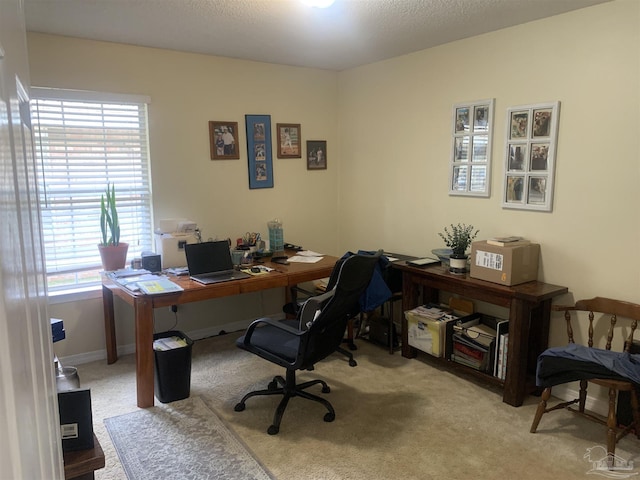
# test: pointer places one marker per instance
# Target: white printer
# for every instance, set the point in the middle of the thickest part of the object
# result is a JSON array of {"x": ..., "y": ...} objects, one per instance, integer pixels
[{"x": 171, "y": 236}]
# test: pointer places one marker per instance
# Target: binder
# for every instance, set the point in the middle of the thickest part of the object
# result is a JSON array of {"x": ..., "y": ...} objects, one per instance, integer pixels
[{"x": 501, "y": 328}]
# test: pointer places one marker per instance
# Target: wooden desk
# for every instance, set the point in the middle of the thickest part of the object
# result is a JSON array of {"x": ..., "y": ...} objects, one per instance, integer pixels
[
  {"x": 80, "y": 464},
  {"x": 529, "y": 307},
  {"x": 143, "y": 305}
]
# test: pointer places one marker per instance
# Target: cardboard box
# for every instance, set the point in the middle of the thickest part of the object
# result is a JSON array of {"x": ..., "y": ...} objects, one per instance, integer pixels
[
  {"x": 427, "y": 335},
  {"x": 505, "y": 265}
]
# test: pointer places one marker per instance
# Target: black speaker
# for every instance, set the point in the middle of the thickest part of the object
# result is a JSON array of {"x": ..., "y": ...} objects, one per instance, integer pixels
[
  {"x": 152, "y": 262},
  {"x": 76, "y": 420}
]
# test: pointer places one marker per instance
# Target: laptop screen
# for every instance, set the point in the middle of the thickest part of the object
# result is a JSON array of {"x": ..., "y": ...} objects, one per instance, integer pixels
[{"x": 208, "y": 257}]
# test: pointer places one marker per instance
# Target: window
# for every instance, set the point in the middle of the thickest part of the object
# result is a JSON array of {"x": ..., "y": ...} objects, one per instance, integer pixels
[{"x": 84, "y": 141}]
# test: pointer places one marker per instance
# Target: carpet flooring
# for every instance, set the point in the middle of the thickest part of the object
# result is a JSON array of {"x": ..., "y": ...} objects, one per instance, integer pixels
[{"x": 395, "y": 418}]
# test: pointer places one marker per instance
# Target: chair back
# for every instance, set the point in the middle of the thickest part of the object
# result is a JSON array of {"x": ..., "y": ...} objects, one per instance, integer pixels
[
  {"x": 606, "y": 306},
  {"x": 327, "y": 329}
]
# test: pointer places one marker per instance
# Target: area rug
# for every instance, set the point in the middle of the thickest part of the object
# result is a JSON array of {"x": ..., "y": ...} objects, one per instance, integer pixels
[{"x": 183, "y": 439}]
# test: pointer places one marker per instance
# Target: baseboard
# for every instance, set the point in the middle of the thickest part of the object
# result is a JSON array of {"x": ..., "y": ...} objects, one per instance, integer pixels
[{"x": 94, "y": 356}]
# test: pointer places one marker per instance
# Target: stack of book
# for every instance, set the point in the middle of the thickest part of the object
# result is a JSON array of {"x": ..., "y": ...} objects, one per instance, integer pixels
[
  {"x": 476, "y": 344},
  {"x": 510, "y": 241},
  {"x": 144, "y": 281}
]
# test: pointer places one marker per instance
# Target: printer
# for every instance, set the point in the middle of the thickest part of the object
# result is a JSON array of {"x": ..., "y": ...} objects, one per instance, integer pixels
[{"x": 170, "y": 238}]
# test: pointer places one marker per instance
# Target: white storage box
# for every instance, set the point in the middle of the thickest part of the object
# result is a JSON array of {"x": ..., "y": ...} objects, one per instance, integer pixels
[
  {"x": 170, "y": 246},
  {"x": 427, "y": 335}
]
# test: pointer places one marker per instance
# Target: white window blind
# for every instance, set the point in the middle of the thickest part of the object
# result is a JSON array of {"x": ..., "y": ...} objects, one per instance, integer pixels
[{"x": 84, "y": 141}]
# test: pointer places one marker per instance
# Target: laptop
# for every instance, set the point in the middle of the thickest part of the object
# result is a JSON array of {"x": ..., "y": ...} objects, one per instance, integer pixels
[{"x": 210, "y": 262}]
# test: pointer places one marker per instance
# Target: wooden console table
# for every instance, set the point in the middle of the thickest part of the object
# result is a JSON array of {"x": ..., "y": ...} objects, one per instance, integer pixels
[
  {"x": 283, "y": 276},
  {"x": 529, "y": 307}
]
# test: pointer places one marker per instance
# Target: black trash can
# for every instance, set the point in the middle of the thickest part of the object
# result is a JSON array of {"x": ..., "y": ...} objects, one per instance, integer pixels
[{"x": 172, "y": 368}]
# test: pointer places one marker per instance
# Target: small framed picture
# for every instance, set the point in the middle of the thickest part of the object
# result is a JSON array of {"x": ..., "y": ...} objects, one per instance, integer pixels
[
  {"x": 462, "y": 119},
  {"x": 316, "y": 154},
  {"x": 223, "y": 140},
  {"x": 289, "y": 140},
  {"x": 517, "y": 157},
  {"x": 514, "y": 190},
  {"x": 519, "y": 124},
  {"x": 260, "y": 164}
]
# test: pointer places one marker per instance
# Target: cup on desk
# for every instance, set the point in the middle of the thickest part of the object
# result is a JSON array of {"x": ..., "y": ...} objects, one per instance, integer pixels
[
  {"x": 236, "y": 257},
  {"x": 247, "y": 258}
]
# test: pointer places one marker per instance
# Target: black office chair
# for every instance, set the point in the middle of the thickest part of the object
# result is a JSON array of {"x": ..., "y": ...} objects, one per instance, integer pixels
[
  {"x": 316, "y": 334},
  {"x": 376, "y": 294}
]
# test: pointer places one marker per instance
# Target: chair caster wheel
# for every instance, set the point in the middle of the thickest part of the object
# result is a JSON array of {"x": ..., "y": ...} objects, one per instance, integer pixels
[
  {"x": 239, "y": 407},
  {"x": 272, "y": 385},
  {"x": 353, "y": 363},
  {"x": 273, "y": 430},
  {"x": 326, "y": 389},
  {"x": 329, "y": 417}
]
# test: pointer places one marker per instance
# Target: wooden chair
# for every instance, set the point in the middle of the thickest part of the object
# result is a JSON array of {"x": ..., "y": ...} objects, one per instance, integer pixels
[{"x": 613, "y": 382}]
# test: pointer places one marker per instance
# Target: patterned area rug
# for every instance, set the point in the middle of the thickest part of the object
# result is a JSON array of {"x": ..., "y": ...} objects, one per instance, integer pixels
[{"x": 183, "y": 439}]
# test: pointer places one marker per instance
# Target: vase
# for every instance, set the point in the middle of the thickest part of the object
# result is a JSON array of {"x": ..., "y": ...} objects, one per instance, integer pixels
[
  {"x": 114, "y": 257},
  {"x": 458, "y": 264}
]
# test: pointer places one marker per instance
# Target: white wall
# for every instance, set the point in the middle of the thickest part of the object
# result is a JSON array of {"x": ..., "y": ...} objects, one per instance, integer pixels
[
  {"x": 396, "y": 132},
  {"x": 388, "y": 127}
]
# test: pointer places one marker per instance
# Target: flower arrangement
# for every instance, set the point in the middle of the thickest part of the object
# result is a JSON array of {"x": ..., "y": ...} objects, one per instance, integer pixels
[{"x": 458, "y": 238}]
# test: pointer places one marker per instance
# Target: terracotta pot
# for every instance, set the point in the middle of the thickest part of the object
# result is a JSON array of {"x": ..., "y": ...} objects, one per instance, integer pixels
[
  {"x": 458, "y": 264},
  {"x": 113, "y": 257}
]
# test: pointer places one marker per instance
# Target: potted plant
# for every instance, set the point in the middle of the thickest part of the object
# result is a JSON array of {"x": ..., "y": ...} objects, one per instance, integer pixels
[
  {"x": 112, "y": 251},
  {"x": 458, "y": 238}
]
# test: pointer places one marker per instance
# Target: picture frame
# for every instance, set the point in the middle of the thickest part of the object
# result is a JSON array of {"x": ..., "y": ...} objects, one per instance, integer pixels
[
  {"x": 223, "y": 140},
  {"x": 260, "y": 162},
  {"x": 316, "y": 154},
  {"x": 470, "y": 162},
  {"x": 530, "y": 154},
  {"x": 289, "y": 140}
]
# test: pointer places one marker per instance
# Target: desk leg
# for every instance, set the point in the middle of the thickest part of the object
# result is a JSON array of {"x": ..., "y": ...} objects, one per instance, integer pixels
[
  {"x": 519, "y": 327},
  {"x": 109, "y": 325},
  {"x": 410, "y": 294},
  {"x": 144, "y": 351}
]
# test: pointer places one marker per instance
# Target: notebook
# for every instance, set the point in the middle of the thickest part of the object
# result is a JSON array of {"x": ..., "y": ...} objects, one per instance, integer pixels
[{"x": 210, "y": 262}]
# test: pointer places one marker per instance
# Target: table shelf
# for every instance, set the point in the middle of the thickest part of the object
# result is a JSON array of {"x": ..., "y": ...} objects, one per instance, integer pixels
[{"x": 529, "y": 306}]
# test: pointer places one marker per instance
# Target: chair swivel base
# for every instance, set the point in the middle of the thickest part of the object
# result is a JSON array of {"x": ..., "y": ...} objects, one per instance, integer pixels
[
  {"x": 349, "y": 355},
  {"x": 289, "y": 389}
]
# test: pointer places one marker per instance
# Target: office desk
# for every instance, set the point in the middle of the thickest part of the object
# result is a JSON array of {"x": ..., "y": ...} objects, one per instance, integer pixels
[
  {"x": 529, "y": 307},
  {"x": 283, "y": 276}
]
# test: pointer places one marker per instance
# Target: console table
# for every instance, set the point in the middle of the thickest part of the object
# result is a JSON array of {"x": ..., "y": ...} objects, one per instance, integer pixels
[
  {"x": 529, "y": 307},
  {"x": 283, "y": 276}
]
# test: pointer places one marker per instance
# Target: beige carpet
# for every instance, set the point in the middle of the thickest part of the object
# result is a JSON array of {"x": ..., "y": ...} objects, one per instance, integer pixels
[{"x": 395, "y": 418}]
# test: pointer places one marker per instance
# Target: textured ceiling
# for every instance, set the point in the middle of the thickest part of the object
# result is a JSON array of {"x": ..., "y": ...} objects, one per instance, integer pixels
[{"x": 345, "y": 35}]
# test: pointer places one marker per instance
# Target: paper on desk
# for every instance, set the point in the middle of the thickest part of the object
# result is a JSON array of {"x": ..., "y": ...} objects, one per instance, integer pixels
[
  {"x": 303, "y": 259},
  {"x": 309, "y": 253}
]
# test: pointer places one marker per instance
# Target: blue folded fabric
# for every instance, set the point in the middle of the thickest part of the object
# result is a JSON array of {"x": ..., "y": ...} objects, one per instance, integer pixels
[
  {"x": 583, "y": 362},
  {"x": 378, "y": 291}
]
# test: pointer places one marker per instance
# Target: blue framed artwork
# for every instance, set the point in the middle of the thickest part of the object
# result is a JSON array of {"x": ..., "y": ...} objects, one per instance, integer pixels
[{"x": 259, "y": 151}]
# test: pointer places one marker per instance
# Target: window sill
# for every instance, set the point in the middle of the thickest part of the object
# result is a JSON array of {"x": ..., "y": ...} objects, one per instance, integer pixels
[{"x": 75, "y": 295}]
